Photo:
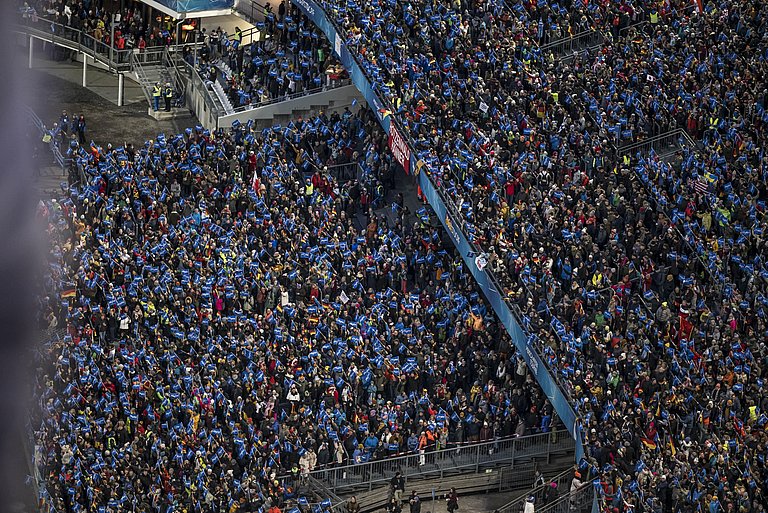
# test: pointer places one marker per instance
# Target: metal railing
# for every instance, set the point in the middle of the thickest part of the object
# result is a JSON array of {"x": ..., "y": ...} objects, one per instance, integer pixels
[
  {"x": 77, "y": 40},
  {"x": 197, "y": 86},
  {"x": 57, "y": 156},
  {"x": 170, "y": 62},
  {"x": 138, "y": 68},
  {"x": 562, "y": 479},
  {"x": 152, "y": 55},
  {"x": 580, "y": 500},
  {"x": 436, "y": 463},
  {"x": 677, "y": 138},
  {"x": 250, "y": 9},
  {"x": 582, "y": 41}
]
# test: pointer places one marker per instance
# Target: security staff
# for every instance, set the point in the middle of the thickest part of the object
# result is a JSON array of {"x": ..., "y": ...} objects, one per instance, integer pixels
[
  {"x": 157, "y": 91},
  {"x": 168, "y": 97},
  {"x": 237, "y": 39}
]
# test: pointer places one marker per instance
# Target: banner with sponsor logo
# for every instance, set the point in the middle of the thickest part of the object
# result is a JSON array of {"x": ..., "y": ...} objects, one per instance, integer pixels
[{"x": 399, "y": 148}]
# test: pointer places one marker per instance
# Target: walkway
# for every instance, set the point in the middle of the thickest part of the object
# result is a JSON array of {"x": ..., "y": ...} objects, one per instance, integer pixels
[
  {"x": 52, "y": 90},
  {"x": 100, "y": 82}
]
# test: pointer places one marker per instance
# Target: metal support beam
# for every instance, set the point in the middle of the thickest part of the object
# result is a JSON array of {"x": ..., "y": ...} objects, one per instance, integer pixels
[
  {"x": 85, "y": 70},
  {"x": 31, "y": 50},
  {"x": 120, "y": 87}
]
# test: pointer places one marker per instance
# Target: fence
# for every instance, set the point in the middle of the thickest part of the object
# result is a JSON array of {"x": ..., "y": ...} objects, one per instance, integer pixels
[
  {"x": 251, "y": 10},
  {"x": 580, "y": 500},
  {"x": 571, "y": 45},
  {"x": 77, "y": 40},
  {"x": 57, "y": 156},
  {"x": 437, "y": 463},
  {"x": 662, "y": 143},
  {"x": 199, "y": 96},
  {"x": 563, "y": 481}
]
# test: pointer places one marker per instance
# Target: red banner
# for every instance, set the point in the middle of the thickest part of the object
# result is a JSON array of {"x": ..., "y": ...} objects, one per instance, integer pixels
[{"x": 399, "y": 148}]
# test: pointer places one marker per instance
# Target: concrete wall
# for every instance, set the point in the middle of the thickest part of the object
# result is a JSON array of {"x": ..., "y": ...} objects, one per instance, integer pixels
[
  {"x": 196, "y": 103},
  {"x": 339, "y": 97}
]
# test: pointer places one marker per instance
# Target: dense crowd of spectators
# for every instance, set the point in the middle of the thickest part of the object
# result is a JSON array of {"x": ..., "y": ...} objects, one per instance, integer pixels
[
  {"x": 133, "y": 31},
  {"x": 285, "y": 56},
  {"x": 642, "y": 275},
  {"x": 225, "y": 324}
]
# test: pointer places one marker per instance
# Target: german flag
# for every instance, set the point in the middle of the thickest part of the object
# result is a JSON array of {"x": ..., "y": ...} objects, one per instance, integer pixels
[
  {"x": 649, "y": 443},
  {"x": 385, "y": 113},
  {"x": 68, "y": 291}
]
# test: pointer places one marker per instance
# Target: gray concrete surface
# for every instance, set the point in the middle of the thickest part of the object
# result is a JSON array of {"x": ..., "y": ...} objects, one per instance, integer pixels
[
  {"x": 99, "y": 81},
  {"x": 56, "y": 86}
]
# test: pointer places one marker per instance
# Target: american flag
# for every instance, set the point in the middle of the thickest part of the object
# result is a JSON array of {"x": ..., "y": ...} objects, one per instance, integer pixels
[{"x": 700, "y": 186}]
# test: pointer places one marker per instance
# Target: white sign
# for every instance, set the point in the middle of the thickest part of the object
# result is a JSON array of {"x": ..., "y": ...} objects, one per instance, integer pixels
[
  {"x": 483, "y": 107},
  {"x": 344, "y": 298},
  {"x": 481, "y": 262}
]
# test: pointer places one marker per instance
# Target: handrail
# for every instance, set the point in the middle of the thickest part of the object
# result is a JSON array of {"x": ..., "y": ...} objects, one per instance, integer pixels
[
  {"x": 568, "y": 47},
  {"x": 651, "y": 141},
  {"x": 289, "y": 97},
  {"x": 169, "y": 64},
  {"x": 572, "y": 501},
  {"x": 141, "y": 75},
  {"x": 57, "y": 156},
  {"x": 78, "y": 40},
  {"x": 253, "y": 4},
  {"x": 515, "y": 505},
  {"x": 558, "y": 42},
  {"x": 68, "y": 37},
  {"x": 199, "y": 84},
  {"x": 472, "y": 455}
]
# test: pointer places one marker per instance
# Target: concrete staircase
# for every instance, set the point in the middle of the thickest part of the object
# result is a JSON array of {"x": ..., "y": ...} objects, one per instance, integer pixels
[{"x": 147, "y": 75}]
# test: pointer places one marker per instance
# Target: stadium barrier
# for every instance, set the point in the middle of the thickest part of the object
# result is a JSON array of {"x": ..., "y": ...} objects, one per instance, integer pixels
[{"x": 473, "y": 457}]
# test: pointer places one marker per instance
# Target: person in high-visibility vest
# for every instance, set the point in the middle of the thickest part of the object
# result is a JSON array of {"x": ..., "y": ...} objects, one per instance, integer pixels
[
  {"x": 713, "y": 122},
  {"x": 168, "y": 97},
  {"x": 654, "y": 17},
  {"x": 157, "y": 91}
]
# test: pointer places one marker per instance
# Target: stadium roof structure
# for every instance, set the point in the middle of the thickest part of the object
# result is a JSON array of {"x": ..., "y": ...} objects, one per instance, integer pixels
[{"x": 181, "y": 9}]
